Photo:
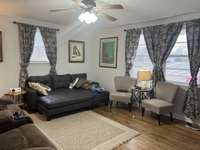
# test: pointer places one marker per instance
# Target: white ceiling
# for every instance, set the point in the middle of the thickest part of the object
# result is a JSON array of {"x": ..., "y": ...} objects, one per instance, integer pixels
[{"x": 135, "y": 10}]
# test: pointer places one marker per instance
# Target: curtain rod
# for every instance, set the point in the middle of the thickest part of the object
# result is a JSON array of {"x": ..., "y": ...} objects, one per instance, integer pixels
[{"x": 15, "y": 22}]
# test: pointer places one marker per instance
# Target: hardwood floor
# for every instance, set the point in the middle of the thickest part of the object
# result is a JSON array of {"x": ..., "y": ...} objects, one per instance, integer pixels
[{"x": 168, "y": 136}]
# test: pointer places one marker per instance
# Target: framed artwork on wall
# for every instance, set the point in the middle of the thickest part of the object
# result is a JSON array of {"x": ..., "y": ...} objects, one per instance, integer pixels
[
  {"x": 76, "y": 51},
  {"x": 108, "y": 52},
  {"x": 1, "y": 47}
]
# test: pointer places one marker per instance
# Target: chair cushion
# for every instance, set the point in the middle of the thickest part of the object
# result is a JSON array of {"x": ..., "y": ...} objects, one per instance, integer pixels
[
  {"x": 157, "y": 106},
  {"x": 124, "y": 97},
  {"x": 61, "y": 81},
  {"x": 166, "y": 91},
  {"x": 124, "y": 83},
  {"x": 63, "y": 97}
]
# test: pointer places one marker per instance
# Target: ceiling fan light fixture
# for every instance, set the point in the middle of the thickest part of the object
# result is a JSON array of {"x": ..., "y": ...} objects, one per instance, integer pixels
[{"x": 88, "y": 17}]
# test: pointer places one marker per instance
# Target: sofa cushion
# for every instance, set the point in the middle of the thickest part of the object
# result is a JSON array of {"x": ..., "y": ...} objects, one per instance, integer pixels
[
  {"x": 61, "y": 81},
  {"x": 80, "y": 76},
  {"x": 62, "y": 97},
  {"x": 41, "y": 79}
]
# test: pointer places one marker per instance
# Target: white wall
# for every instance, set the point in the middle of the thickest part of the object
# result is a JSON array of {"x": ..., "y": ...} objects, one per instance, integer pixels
[
  {"x": 106, "y": 75},
  {"x": 9, "y": 68}
]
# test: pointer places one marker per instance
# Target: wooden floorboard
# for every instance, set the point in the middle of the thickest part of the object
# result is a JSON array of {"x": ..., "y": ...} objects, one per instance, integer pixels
[{"x": 168, "y": 136}]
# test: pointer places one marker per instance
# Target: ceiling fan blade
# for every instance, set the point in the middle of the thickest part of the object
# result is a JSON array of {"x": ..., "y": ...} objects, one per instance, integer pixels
[
  {"x": 110, "y": 6},
  {"x": 77, "y": 1},
  {"x": 111, "y": 18},
  {"x": 61, "y": 10}
]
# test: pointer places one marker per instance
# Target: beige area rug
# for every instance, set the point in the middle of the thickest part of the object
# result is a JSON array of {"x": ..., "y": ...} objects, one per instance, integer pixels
[{"x": 85, "y": 131}]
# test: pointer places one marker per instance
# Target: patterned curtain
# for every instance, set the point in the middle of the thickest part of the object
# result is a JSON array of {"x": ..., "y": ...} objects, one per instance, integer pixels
[
  {"x": 50, "y": 42},
  {"x": 192, "y": 104},
  {"x": 132, "y": 41},
  {"x": 160, "y": 41},
  {"x": 26, "y": 43}
]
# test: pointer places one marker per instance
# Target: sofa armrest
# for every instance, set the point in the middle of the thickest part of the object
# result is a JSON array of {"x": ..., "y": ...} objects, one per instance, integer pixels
[{"x": 31, "y": 98}]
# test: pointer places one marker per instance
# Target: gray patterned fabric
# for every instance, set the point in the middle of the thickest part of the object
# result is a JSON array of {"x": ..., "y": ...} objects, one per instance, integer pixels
[
  {"x": 50, "y": 42},
  {"x": 160, "y": 40},
  {"x": 192, "y": 104},
  {"x": 132, "y": 40},
  {"x": 26, "y": 43}
]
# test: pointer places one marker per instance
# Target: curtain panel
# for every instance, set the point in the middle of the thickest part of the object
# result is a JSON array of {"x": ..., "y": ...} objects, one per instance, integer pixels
[
  {"x": 160, "y": 40},
  {"x": 132, "y": 41},
  {"x": 50, "y": 42},
  {"x": 26, "y": 43},
  {"x": 192, "y": 104}
]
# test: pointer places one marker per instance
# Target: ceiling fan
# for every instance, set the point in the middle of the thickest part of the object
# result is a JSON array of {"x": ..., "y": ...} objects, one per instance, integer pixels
[{"x": 91, "y": 9}]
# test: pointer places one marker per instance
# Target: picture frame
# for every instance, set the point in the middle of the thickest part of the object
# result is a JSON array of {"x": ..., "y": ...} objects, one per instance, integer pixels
[
  {"x": 1, "y": 47},
  {"x": 108, "y": 52},
  {"x": 76, "y": 51}
]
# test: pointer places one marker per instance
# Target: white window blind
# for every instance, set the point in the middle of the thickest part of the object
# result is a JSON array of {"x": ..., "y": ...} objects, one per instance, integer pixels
[
  {"x": 39, "y": 54},
  {"x": 177, "y": 65}
]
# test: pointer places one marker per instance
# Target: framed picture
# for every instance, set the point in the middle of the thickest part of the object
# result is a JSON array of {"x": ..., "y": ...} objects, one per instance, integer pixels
[
  {"x": 76, "y": 51},
  {"x": 1, "y": 47},
  {"x": 108, "y": 52}
]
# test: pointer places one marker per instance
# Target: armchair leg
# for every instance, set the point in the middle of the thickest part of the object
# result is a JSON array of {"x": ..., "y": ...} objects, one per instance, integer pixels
[
  {"x": 158, "y": 119},
  {"x": 171, "y": 117},
  {"x": 143, "y": 110},
  {"x": 130, "y": 107},
  {"x": 111, "y": 102}
]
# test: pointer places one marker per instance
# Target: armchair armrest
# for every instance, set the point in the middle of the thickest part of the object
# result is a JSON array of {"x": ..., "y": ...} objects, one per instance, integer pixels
[{"x": 31, "y": 98}]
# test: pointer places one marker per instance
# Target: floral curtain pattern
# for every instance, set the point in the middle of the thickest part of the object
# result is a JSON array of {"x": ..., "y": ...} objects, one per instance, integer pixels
[
  {"x": 160, "y": 40},
  {"x": 50, "y": 42},
  {"x": 132, "y": 41},
  {"x": 192, "y": 103},
  {"x": 26, "y": 43}
]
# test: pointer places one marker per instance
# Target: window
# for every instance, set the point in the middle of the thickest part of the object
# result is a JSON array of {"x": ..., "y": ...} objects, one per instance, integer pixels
[
  {"x": 177, "y": 65},
  {"x": 39, "y": 54},
  {"x": 142, "y": 60}
]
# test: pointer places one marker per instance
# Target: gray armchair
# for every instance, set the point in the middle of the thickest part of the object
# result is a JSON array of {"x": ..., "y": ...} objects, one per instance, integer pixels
[
  {"x": 163, "y": 101},
  {"x": 123, "y": 93}
]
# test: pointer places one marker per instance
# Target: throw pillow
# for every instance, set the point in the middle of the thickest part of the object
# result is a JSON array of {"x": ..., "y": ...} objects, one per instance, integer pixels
[
  {"x": 45, "y": 86},
  {"x": 38, "y": 88},
  {"x": 80, "y": 83},
  {"x": 86, "y": 85},
  {"x": 73, "y": 83}
]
